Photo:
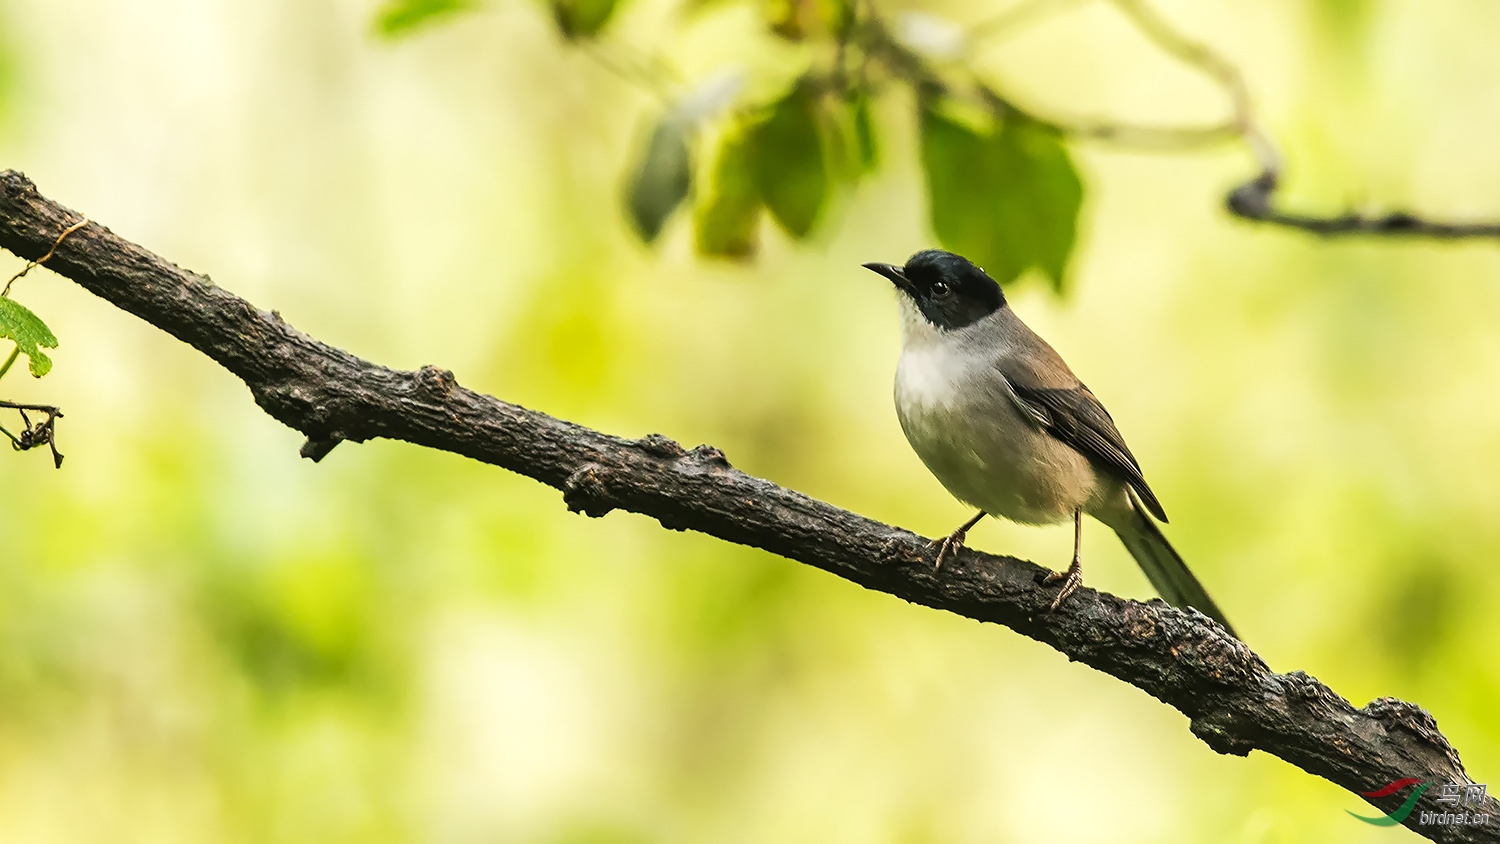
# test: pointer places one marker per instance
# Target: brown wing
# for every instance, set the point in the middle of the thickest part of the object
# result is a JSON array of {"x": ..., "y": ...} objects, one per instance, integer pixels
[{"x": 1075, "y": 416}]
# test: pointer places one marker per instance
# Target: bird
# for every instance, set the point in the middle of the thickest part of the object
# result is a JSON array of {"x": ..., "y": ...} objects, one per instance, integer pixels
[{"x": 1006, "y": 427}]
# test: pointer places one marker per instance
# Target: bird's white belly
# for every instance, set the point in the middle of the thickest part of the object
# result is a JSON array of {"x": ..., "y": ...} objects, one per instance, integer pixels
[{"x": 973, "y": 438}]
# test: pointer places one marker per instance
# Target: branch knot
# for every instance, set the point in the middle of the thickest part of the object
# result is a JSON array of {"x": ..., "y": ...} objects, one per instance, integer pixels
[
  {"x": 436, "y": 380},
  {"x": 711, "y": 456},
  {"x": 1397, "y": 714},
  {"x": 661, "y": 446},
  {"x": 585, "y": 492}
]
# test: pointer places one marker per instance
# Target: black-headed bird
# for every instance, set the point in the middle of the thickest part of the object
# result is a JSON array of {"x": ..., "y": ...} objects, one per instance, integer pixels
[{"x": 1006, "y": 427}]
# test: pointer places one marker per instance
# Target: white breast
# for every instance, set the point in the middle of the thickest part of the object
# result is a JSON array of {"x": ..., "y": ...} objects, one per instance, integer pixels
[
  {"x": 931, "y": 367},
  {"x": 955, "y": 412},
  {"x": 927, "y": 378}
]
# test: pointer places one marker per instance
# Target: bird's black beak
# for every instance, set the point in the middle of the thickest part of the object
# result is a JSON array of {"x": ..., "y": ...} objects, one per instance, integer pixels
[{"x": 892, "y": 272}]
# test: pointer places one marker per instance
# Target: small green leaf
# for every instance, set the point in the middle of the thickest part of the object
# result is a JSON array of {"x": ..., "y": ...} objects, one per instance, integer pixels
[
  {"x": 789, "y": 166},
  {"x": 663, "y": 178},
  {"x": 1007, "y": 199},
  {"x": 728, "y": 220},
  {"x": 401, "y": 17},
  {"x": 582, "y": 18},
  {"x": 29, "y": 333}
]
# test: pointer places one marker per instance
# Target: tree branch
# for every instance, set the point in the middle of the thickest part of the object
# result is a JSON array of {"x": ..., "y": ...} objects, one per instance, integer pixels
[
  {"x": 1254, "y": 200},
  {"x": 1234, "y": 702}
]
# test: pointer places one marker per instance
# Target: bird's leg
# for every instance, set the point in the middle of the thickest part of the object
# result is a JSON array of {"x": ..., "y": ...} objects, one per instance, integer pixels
[
  {"x": 950, "y": 544},
  {"x": 1073, "y": 577}
]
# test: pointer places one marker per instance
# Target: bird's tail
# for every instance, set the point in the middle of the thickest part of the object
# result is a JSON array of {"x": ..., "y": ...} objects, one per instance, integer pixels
[{"x": 1163, "y": 566}]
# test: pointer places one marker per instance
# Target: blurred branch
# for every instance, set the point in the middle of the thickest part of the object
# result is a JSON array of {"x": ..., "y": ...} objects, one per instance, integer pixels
[
  {"x": 1255, "y": 200},
  {"x": 1216, "y": 67},
  {"x": 910, "y": 66},
  {"x": 1235, "y": 703},
  {"x": 1017, "y": 16}
]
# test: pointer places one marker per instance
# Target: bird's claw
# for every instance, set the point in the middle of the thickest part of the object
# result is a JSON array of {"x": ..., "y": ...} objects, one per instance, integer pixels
[
  {"x": 948, "y": 546},
  {"x": 1071, "y": 580}
]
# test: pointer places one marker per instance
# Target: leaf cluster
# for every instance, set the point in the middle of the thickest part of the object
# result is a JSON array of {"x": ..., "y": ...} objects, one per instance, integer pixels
[{"x": 1002, "y": 187}]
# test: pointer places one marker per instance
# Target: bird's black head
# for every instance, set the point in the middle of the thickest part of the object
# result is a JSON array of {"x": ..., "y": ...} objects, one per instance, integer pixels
[{"x": 949, "y": 290}]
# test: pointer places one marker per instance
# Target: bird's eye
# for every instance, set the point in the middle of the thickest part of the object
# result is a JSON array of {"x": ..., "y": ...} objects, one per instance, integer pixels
[{"x": 940, "y": 288}]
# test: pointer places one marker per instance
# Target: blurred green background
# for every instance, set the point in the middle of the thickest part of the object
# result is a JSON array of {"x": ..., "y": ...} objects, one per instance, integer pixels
[{"x": 204, "y": 638}]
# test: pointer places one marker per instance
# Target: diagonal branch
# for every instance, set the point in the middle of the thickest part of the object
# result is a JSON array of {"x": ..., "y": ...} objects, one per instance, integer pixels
[{"x": 1234, "y": 702}]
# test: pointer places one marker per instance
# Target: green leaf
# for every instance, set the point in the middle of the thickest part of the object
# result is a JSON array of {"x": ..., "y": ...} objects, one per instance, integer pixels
[
  {"x": 1046, "y": 192},
  {"x": 662, "y": 179},
  {"x": 963, "y": 194},
  {"x": 401, "y": 17},
  {"x": 582, "y": 18},
  {"x": 1007, "y": 199},
  {"x": 29, "y": 333},
  {"x": 728, "y": 220},
  {"x": 789, "y": 167}
]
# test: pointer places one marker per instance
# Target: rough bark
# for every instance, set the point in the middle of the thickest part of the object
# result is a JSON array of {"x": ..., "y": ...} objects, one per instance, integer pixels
[{"x": 1234, "y": 701}]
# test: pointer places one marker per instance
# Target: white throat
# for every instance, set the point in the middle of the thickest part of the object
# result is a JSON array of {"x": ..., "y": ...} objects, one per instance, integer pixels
[
  {"x": 932, "y": 362},
  {"x": 916, "y": 330}
]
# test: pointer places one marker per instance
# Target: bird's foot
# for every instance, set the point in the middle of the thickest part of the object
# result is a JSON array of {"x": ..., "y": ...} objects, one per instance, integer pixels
[
  {"x": 948, "y": 546},
  {"x": 1071, "y": 580}
]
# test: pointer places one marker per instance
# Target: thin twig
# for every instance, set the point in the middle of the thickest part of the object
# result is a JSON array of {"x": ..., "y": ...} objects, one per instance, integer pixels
[
  {"x": 1215, "y": 66},
  {"x": 1164, "y": 139},
  {"x": 905, "y": 64},
  {"x": 42, "y": 260},
  {"x": 1254, "y": 201},
  {"x": 1006, "y": 23},
  {"x": 42, "y": 433},
  {"x": 10, "y": 361}
]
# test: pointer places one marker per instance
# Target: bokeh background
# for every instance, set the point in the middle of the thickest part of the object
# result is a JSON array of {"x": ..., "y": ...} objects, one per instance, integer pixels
[{"x": 204, "y": 638}]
